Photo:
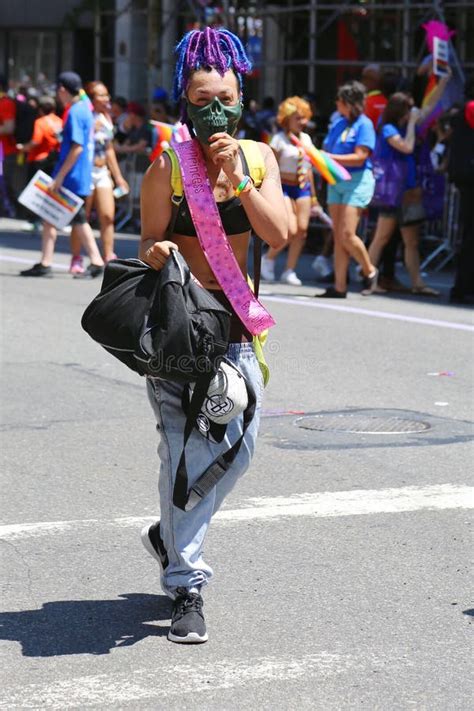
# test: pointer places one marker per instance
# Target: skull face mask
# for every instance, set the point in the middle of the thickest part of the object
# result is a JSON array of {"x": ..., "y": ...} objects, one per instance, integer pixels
[{"x": 214, "y": 118}]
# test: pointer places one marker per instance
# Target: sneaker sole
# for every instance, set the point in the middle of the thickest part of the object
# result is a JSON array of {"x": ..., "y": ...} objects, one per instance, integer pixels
[
  {"x": 148, "y": 545},
  {"x": 367, "y": 291},
  {"x": 191, "y": 638},
  {"x": 37, "y": 276}
]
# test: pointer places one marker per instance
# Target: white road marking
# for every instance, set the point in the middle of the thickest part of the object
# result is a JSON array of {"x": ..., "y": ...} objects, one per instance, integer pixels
[
  {"x": 356, "y": 503},
  {"x": 321, "y": 505},
  {"x": 113, "y": 690},
  {"x": 317, "y": 304}
]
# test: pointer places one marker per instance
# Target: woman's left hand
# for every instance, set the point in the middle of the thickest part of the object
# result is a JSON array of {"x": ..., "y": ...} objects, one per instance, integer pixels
[
  {"x": 224, "y": 152},
  {"x": 122, "y": 183}
]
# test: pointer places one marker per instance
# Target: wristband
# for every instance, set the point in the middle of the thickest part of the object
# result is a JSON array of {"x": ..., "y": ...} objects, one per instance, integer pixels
[
  {"x": 244, "y": 186},
  {"x": 314, "y": 200}
]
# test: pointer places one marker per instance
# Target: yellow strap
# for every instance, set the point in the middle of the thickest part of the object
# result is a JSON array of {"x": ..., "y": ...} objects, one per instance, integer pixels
[
  {"x": 176, "y": 182},
  {"x": 253, "y": 157},
  {"x": 258, "y": 343}
]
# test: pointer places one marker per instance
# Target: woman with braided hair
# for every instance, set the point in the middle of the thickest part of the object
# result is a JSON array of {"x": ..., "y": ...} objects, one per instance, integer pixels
[
  {"x": 297, "y": 183},
  {"x": 208, "y": 84}
]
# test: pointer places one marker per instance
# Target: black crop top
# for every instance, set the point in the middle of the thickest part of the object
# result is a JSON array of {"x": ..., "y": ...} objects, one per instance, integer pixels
[{"x": 233, "y": 216}]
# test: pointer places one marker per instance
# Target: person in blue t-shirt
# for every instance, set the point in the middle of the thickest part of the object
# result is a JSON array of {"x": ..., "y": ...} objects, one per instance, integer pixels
[
  {"x": 396, "y": 142},
  {"x": 350, "y": 141},
  {"x": 72, "y": 171}
]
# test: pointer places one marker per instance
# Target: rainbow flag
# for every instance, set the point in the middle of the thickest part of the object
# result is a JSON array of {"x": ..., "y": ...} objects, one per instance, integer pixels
[
  {"x": 332, "y": 171},
  {"x": 61, "y": 198},
  {"x": 164, "y": 131},
  {"x": 265, "y": 137},
  {"x": 436, "y": 110},
  {"x": 429, "y": 91}
]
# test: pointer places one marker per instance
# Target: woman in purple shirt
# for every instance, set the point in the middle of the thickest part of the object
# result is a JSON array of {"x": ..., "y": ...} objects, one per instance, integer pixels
[{"x": 396, "y": 142}]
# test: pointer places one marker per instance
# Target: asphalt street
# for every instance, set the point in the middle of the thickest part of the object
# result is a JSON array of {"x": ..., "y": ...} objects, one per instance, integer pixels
[{"x": 341, "y": 559}]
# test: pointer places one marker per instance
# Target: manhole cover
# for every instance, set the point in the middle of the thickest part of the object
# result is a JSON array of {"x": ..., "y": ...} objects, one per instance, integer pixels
[{"x": 361, "y": 424}]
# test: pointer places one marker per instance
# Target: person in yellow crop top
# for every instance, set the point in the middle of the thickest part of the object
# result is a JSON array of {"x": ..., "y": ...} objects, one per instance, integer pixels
[{"x": 297, "y": 183}]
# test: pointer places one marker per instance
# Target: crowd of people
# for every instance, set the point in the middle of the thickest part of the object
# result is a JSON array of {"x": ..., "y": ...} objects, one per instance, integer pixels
[
  {"x": 78, "y": 136},
  {"x": 376, "y": 124},
  {"x": 379, "y": 135}
]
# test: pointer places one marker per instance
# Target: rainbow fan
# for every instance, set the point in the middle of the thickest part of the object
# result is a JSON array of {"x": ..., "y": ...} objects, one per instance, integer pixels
[{"x": 332, "y": 171}]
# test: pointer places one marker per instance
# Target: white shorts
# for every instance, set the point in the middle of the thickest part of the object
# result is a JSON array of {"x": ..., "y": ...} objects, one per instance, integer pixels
[{"x": 101, "y": 177}]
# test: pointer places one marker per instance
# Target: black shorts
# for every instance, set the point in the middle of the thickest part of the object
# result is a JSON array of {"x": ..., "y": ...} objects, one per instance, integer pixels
[
  {"x": 80, "y": 216},
  {"x": 401, "y": 216}
]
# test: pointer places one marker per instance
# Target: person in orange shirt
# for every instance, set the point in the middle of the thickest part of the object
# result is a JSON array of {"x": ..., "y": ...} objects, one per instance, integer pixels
[
  {"x": 43, "y": 148},
  {"x": 7, "y": 141},
  {"x": 375, "y": 101}
]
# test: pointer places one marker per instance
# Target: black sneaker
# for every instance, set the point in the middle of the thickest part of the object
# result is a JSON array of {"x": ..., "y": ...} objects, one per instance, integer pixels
[
  {"x": 92, "y": 271},
  {"x": 37, "y": 270},
  {"x": 187, "y": 620},
  {"x": 331, "y": 293},
  {"x": 369, "y": 283},
  {"x": 153, "y": 543}
]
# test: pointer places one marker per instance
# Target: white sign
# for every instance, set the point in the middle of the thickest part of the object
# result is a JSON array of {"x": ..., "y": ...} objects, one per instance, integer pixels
[
  {"x": 57, "y": 208},
  {"x": 440, "y": 57}
]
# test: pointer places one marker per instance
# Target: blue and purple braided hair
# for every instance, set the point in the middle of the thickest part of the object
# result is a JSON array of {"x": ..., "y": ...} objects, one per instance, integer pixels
[{"x": 216, "y": 49}]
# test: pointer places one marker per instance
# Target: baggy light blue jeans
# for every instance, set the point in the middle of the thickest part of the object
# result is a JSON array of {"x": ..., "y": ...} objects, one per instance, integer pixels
[{"x": 183, "y": 532}]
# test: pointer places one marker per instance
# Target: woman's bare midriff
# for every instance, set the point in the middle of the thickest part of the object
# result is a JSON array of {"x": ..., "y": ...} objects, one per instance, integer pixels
[
  {"x": 193, "y": 254},
  {"x": 289, "y": 178}
]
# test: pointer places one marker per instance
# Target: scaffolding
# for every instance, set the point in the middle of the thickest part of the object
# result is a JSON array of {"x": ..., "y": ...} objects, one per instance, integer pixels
[{"x": 311, "y": 47}]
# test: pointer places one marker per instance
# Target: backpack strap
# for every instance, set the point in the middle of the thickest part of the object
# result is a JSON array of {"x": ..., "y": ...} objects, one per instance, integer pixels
[
  {"x": 176, "y": 182},
  {"x": 255, "y": 165},
  {"x": 254, "y": 158},
  {"x": 186, "y": 499}
]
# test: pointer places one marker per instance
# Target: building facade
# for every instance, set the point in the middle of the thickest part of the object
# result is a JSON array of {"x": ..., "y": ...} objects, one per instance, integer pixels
[{"x": 296, "y": 46}]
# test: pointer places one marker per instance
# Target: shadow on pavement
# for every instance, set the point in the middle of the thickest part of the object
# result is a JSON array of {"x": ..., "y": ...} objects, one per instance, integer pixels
[
  {"x": 366, "y": 302},
  {"x": 86, "y": 626}
]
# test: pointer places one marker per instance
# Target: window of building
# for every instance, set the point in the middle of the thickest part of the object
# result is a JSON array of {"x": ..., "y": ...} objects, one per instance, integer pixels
[{"x": 32, "y": 57}]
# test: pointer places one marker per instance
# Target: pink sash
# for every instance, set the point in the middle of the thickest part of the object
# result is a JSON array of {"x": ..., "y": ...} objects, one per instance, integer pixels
[{"x": 213, "y": 239}]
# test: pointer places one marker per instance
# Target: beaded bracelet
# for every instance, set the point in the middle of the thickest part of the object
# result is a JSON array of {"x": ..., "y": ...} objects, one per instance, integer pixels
[{"x": 242, "y": 185}]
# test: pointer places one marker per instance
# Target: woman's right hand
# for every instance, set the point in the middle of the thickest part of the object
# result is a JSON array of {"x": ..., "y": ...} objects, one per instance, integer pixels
[{"x": 158, "y": 254}]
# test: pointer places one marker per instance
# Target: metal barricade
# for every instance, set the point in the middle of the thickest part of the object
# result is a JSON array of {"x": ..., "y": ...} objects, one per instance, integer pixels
[
  {"x": 446, "y": 232},
  {"x": 133, "y": 169}
]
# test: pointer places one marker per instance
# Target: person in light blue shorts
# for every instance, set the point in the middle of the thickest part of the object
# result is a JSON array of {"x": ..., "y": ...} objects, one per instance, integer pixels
[
  {"x": 351, "y": 140},
  {"x": 356, "y": 192}
]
